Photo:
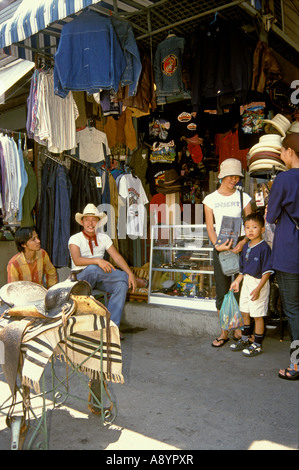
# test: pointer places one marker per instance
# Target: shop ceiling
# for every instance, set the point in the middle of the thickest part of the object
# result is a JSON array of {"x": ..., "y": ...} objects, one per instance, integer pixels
[{"x": 151, "y": 22}]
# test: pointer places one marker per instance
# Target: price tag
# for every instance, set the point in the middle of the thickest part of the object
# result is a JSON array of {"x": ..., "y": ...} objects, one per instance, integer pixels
[
  {"x": 98, "y": 181},
  {"x": 259, "y": 199}
]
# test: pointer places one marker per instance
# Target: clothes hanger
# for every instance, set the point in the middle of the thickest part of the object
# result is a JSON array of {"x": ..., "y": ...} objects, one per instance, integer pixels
[
  {"x": 215, "y": 18},
  {"x": 170, "y": 34}
]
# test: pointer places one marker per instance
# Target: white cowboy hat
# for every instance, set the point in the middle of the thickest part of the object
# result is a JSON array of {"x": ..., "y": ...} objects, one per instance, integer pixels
[
  {"x": 266, "y": 165},
  {"x": 294, "y": 127},
  {"x": 273, "y": 140},
  {"x": 230, "y": 167},
  {"x": 91, "y": 210},
  {"x": 279, "y": 122}
]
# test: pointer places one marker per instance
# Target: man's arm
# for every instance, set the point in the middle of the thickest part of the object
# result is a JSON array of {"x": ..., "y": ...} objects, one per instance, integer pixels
[{"x": 120, "y": 261}]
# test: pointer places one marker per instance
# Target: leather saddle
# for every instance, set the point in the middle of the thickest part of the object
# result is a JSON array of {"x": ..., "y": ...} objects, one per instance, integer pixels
[
  {"x": 23, "y": 302},
  {"x": 28, "y": 299}
]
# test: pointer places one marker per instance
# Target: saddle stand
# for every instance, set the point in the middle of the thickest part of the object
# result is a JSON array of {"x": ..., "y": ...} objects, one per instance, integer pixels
[{"x": 75, "y": 327}]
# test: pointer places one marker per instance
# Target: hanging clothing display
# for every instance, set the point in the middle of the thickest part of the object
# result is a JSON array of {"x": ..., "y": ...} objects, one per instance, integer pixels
[
  {"x": 85, "y": 190},
  {"x": 91, "y": 143},
  {"x": 131, "y": 189},
  {"x": 144, "y": 100},
  {"x": 160, "y": 136},
  {"x": 228, "y": 76},
  {"x": 138, "y": 166},
  {"x": 61, "y": 229},
  {"x": 29, "y": 197},
  {"x": 16, "y": 203},
  {"x": 168, "y": 69},
  {"x": 51, "y": 120},
  {"x": 252, "y": 113},
  {"x": 228, "y": 145},
  {"x": 129, "y": 131},
  {"x": 65, "y": 192},
  {"x": 121, "y": 130},
  {"x": 11, "y": 177},
  {"x": 89, "y": 56},
  {"x": 266, "y": 69},
  {"x": 127, "y": 40}
]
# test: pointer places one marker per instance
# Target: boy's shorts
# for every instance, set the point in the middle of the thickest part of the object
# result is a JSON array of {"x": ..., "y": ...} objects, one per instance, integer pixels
[{"x": 256, "y": 308}]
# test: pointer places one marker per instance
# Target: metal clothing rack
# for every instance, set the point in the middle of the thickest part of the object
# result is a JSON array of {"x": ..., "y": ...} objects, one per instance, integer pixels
[
  {"x": 10, "y": 131},
  {"x": 58, "y": 160}
]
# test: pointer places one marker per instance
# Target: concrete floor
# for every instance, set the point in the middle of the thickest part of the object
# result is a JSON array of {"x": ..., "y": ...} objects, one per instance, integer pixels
[{"x": 182, "y": 394}]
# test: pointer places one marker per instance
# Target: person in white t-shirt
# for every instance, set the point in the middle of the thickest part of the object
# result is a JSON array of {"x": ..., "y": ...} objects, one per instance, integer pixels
[
  {"x": 225, "y": 201},
  {"x": 87, "y": 250}
]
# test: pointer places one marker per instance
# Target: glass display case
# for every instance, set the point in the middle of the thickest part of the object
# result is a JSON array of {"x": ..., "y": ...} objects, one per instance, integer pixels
[{"x": 181, "y": 267}]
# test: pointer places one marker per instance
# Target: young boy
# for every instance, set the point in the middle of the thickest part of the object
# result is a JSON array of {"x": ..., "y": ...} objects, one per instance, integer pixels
[{"x": 255, "y": 270}]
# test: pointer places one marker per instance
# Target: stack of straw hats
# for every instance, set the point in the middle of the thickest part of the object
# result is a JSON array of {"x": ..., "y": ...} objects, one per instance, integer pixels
[{"x": 265, "y": 155}]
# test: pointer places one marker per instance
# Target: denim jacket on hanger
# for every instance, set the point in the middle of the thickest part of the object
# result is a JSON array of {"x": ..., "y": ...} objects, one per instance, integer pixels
[
  {"x": 168, "y": 67},
  {"x": 89, "y": 56}
]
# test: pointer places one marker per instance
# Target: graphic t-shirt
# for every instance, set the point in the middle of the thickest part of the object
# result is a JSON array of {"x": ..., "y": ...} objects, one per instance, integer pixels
[
  {"x": 162, "y": 156},
  {"x": 131, "y": 189},
  {"x": 226, "y": 205}
]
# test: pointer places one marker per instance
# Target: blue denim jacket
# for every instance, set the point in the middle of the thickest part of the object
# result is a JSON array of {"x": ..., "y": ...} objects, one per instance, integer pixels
[
  {"x": 168, "y": 66},
  {"x": 127, "y": 40},
  {"x": 89, "y": 56}
]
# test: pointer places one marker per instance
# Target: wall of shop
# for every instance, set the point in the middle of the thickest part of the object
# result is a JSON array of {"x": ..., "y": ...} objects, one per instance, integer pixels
[{"x": 7, "y": 250}]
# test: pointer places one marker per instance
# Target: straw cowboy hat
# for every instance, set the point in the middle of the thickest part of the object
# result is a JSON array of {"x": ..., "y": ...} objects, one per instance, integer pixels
[
  {"x": 91, "y": 210},
  {"x": 279, "y": 122},
  {"x": 266, "y": 164},
  {"x": 294, "y": 127},
  {"x": 267, "y": 143},
  {"x": 230, "y": 167}
]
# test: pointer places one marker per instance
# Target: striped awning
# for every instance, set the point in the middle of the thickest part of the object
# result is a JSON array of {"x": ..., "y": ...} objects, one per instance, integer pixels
[
  {"x": 24, "y": 33},
  {"x": 11, "y": 73}
]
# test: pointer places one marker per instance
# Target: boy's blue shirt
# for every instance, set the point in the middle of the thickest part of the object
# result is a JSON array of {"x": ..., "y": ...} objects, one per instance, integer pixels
[{"x": 257, "y": 261}]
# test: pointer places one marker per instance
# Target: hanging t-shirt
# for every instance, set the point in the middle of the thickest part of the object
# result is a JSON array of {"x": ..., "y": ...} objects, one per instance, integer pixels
[
  {"x": 131, "y": 189},
  {"x": 91, "y": 142},
  {"x": 162, "y": 155},
  {"x": 252, "y": 113}
]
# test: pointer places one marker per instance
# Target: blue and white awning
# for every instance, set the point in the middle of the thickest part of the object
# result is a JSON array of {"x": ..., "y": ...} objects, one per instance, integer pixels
[{"x": 21, "y": 35}]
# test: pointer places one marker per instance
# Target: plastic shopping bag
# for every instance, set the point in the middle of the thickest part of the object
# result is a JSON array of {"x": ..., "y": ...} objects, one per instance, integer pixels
[{"x": 230, "y": 316}]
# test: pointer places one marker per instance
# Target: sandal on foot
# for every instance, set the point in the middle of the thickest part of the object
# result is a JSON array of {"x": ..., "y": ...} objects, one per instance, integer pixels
[
  {"x": 293, "y": 374},
  {"x": 235, "y": 338},
  {"x": 223, "y": 341}
]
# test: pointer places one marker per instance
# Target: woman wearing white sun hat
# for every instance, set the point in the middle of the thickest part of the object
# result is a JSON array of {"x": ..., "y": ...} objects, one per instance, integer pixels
[{"x": 224, "y": 201}]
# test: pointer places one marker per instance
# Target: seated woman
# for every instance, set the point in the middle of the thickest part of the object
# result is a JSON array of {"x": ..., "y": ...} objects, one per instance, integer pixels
[{"x": 32, "y": 263}]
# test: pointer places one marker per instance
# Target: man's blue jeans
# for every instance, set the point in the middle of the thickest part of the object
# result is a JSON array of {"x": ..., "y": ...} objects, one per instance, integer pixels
[
  {"x": 115, "y": 283},
  {"x": 289, "y": 293}
]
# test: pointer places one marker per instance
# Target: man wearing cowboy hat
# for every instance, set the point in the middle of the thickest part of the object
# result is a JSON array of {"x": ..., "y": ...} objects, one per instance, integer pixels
[{"x": 87, "y": 249}]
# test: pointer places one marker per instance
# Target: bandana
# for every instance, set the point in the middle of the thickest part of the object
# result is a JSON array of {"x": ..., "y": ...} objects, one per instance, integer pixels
[{"x": 90, "y": 239}]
